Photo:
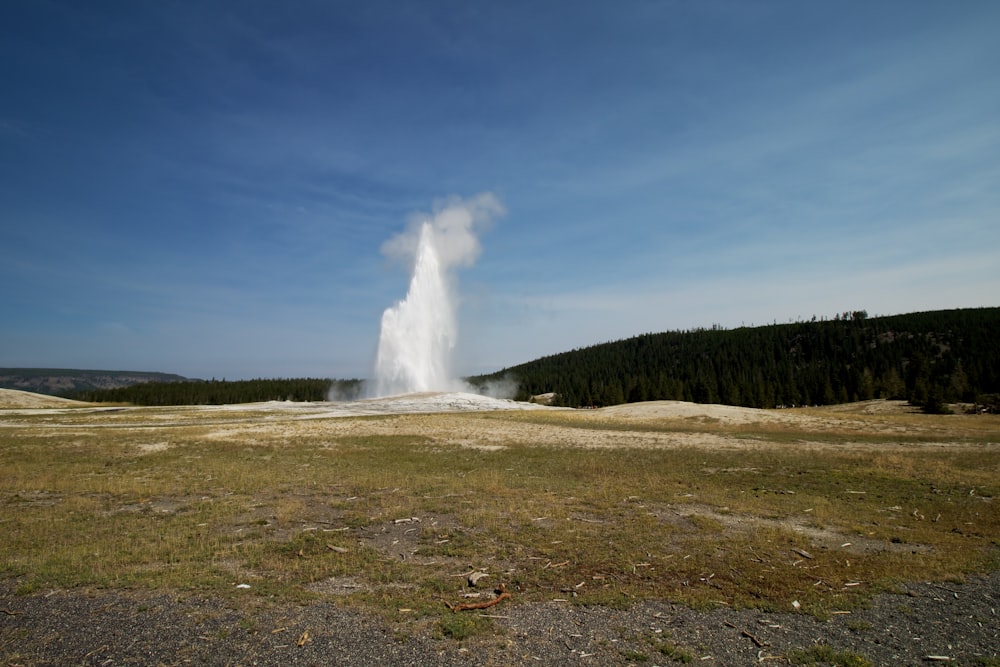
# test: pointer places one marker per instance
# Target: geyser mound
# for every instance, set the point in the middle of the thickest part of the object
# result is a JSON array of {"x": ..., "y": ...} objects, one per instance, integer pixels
[{"x": 419, "y": 333}]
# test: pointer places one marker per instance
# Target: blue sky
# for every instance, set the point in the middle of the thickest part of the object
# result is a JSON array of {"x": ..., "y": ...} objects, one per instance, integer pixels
[{"x": 203, "y": 187}]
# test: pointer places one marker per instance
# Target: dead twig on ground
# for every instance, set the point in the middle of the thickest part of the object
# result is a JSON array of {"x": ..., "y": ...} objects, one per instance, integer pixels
[{"x": 502, "y": 594}]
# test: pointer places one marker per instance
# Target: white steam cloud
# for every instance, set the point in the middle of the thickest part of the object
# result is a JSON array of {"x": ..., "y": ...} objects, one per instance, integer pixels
[{"x": 419, "y": 333}]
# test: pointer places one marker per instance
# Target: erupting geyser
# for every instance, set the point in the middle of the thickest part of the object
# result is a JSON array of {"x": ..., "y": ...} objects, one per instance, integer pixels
[{"x": 419, "y": 333}]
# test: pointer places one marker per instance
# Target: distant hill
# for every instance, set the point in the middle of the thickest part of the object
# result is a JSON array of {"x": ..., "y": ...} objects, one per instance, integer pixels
[
  {"x": 930, "y": 358},
  {"x": 61, "y": 381},
  {"x": 15, "y": 398}
]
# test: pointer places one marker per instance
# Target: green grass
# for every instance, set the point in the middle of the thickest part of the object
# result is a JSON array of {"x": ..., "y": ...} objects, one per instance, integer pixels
[
  {"x": 822, "y": 655},
  {"x": 635, "y": 656},
  {"x": 190, "y": 499},
  {"x": 673, "y": 652},
  {"x": 462, "y": 626}
]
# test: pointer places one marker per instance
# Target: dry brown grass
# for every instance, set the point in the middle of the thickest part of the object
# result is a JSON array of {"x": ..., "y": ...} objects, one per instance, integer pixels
[{"x": 822, "y": 507}]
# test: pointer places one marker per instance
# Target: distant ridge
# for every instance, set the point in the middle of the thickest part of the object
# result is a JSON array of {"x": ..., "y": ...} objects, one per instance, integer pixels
[{"x": 61, "y": 381}]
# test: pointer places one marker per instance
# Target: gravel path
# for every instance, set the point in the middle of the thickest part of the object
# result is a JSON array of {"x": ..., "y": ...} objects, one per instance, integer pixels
[{"x": 923, "y": 626}]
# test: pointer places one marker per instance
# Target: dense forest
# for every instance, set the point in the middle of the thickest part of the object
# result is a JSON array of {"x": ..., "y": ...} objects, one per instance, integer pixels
[
  {"x": 930, "y": 359},
  {"x": 221, "y": 392}
]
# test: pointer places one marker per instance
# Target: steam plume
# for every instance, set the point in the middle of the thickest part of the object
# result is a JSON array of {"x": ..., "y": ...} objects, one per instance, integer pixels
[{"x": 419, "y": 333}]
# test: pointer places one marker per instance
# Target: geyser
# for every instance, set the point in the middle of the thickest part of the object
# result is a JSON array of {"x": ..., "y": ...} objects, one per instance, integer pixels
[{"x": 419, "y": 333}]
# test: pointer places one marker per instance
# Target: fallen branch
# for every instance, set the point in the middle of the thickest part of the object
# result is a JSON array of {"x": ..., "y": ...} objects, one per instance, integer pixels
[
  {"x": 503, "y": 594},
  {"x": 96, "y": 650},
  {"x": 945, "y": 588}
]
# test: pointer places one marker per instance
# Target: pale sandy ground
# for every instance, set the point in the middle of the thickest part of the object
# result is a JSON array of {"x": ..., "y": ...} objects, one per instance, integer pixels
[
  {"x": 13, "y": 398},
  {"x": 477, "y": 421},
  {"x": 431, "y": 402}
]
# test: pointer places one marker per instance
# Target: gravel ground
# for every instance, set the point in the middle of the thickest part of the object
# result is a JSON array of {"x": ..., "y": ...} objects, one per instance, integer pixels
[{"x": 926, "y": 624}]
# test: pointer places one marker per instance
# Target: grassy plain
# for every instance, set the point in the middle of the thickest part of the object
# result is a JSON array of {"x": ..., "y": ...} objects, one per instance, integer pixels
[{"x": 705, "y": 506}]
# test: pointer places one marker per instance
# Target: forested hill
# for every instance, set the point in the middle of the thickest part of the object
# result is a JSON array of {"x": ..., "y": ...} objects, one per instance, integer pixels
[{"x": 929, "y": 358}]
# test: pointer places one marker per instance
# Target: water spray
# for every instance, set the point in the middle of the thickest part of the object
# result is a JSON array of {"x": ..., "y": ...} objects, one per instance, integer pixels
[{"x": 419, "y": 333}]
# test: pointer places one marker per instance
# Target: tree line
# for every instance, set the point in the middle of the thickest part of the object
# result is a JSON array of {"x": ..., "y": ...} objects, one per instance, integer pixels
[
  {"x": 930, "y": 358},
  {"x": 221, "y": 392}
]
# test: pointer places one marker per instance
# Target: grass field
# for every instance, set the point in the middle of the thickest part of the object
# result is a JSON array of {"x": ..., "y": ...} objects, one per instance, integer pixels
[{"x": 392, "y": 512}]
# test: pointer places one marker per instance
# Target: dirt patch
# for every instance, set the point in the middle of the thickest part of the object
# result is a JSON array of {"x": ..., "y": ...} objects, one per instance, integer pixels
[
  {"x": 726, "y": 414},
  {"x": 152, "y": 447},
  {"x": 820, "y": 538},
  {"x": 399, "y": 538},
  {"x": 339, "y": 586}
]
